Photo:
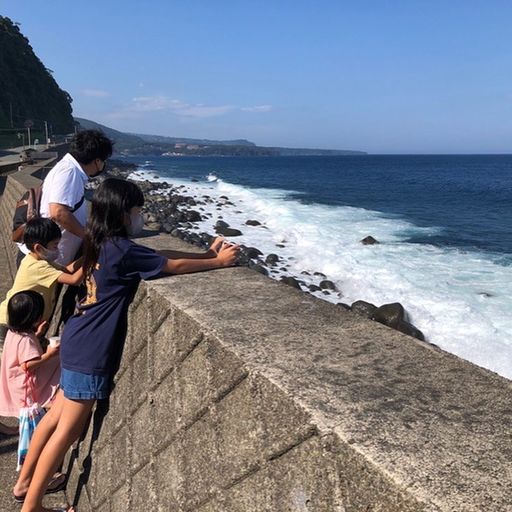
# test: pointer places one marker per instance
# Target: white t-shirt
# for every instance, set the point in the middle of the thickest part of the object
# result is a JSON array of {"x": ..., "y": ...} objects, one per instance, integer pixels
[{"x": 65, "y": 184}]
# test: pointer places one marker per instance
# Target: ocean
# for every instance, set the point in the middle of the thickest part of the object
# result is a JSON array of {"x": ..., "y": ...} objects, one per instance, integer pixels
[{"x": 444, "y": 224}]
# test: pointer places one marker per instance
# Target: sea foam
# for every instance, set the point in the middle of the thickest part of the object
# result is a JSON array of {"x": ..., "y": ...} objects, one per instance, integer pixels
[{"x": 460, "y": 300}]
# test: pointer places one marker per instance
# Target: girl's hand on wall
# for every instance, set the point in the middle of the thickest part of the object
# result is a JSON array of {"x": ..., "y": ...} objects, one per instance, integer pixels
[
  {"x": 216, "y": 245},
  {"x": 227, "y": 254}
]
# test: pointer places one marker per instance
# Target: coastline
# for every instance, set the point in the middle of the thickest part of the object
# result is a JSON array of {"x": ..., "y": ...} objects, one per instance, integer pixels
[{"x": 173, "y": 210}]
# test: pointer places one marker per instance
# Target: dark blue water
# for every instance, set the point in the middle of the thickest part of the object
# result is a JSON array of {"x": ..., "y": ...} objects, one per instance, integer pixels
[{"x": 468, "y": 196}]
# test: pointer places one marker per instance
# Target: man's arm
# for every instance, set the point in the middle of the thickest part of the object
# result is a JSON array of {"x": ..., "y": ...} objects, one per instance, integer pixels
[{"x": 65, "y": 219}]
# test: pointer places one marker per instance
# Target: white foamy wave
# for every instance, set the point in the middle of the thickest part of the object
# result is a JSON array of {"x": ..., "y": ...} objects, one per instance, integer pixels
[
  {"x": 211, "y": 177},
  {"x": 460, "y": 300},
  {"x": 146, "y": 174}
]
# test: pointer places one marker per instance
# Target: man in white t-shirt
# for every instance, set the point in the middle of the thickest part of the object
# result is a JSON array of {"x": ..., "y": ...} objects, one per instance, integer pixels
[{"x": 63, "y": 189}]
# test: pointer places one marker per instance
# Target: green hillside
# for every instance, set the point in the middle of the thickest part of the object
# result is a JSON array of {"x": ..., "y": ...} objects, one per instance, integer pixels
[{"x": 28, "y": 90}]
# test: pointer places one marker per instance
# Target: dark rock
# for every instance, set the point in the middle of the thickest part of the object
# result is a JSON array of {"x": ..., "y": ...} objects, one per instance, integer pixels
[
  {"x": 328, "y": 285},
  {"x": 252, "y": 252},
  {"x": 175, "y": 233},
  {"x": 221, "y": 224},
  {"x": 280, "y": 245},
  {"x": 343, "y": 305},
  {"x": 253, "y": 223},
  {"x": 195, "y": 239},
  {"x": 193, "y": 216},
  {"x": 243, "y": 259},
  {"x": 369, "y": 240},
  {"x": 363, "y": 308},
  {"x": 259, "y": 268},
  {"x": 191, "y": 201},
  {"x": 319, "y": 274},
  {"x": 207, "y": 238},
  {"x": 314, "y": 288},
  {"x": 167, "y": 227},
  {"x": 272, "y": 259},
  {"x": 389, "y": 314},
  {"x": 223, "y": 197},
  {"x": 228, "y": 231},
  {"x": 291, "y": 281},
  {"x": 305, "y": 272},
  {"x": 180, "y": 217},
  {"x": 409, "y": 329}
]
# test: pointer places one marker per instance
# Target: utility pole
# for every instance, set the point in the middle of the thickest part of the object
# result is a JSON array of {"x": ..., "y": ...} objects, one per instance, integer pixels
[
  {"x": 28, "y": 124},
  {"x": 46, "y": 131}
]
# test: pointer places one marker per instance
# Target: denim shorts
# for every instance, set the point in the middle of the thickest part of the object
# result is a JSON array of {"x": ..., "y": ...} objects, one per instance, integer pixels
[{"x": 82, "y": 386}]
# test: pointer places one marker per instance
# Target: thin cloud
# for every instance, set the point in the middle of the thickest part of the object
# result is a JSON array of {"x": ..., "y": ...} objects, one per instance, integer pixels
[
  {"x": 180, "y": 108},
  {"x": 257, "y": 108},
  {"x": 95, "y": 93},
  {"x": 143, "y": 104}
]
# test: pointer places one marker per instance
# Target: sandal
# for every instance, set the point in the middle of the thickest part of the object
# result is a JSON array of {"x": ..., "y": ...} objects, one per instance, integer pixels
[{"x": 57, "y": 483}]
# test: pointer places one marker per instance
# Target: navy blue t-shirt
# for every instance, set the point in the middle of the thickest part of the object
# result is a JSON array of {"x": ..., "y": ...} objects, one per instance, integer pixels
[{"x": 93, "y": 338}]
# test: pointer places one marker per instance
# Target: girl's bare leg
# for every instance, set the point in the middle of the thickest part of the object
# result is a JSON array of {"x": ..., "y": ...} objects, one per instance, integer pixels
[
  {"x": 71, "y": 422},
  {"x": 42, "y": 433}
]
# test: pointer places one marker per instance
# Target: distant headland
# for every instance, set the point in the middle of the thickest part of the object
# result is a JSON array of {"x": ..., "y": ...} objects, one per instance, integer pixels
[{"x": 140, "y": 144}]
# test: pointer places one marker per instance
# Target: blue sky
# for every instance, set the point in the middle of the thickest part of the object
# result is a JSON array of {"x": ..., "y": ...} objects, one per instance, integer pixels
[{"x": 380, "y": 76}]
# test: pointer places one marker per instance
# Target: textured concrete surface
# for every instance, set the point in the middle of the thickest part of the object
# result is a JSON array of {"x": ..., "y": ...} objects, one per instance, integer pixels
[{"x": 238, "y": 393}]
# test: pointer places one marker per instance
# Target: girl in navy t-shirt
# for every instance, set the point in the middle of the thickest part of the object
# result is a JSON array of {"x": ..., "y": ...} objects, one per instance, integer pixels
[{"x": 93, "y": 339}]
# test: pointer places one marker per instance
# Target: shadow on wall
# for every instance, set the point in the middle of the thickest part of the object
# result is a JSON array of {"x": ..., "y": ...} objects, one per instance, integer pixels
[{"x": 97, "y": 418}]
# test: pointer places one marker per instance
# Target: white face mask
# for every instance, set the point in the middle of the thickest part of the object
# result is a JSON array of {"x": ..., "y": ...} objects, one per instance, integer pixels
[
  {"x": 136, "y": 224},
  {"x": 49, "y": 254}
]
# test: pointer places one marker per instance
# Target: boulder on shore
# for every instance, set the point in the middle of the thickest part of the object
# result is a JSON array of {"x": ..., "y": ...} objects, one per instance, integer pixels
[
  {"x": 389, "y": 314},
  {"x": 328, "y": 285},
  {"x": 221, "y": 224},
  {"x": 259, "y": 268},
  {"x": 272, "y": 259},
  {"x": 291, "y": 281},
  {"x": 363, "y": 308},
  {"x": 227, "y": 231},
  {"x": 409, "y": 329},
  {"x": 369, "y": 240}
]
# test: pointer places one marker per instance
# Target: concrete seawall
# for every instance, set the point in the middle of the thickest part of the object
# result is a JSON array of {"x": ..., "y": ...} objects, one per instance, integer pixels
[{"x": 237, "y": 393}]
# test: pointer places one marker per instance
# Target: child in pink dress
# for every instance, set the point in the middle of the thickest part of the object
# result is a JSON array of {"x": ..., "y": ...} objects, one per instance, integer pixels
[{"x": 23, "y": 356}]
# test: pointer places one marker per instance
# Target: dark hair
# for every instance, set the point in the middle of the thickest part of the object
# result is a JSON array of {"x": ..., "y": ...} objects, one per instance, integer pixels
[
  {"x": 24, "y": 310},
  {"x": 88, "y": 145},
  {"x": 111, "y": 200},
  {"x": 42, "y": 231}
]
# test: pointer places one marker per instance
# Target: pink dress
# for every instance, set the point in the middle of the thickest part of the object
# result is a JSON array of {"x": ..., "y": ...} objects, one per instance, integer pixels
[{"x": 18, "y": 349}]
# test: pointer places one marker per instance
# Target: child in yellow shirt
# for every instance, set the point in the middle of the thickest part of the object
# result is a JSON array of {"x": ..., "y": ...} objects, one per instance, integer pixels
[{"x": 38, "y": 271}]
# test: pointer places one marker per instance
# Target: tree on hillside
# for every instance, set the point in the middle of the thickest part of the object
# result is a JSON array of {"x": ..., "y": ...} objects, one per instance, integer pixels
[{"x": 27, "y": 88}]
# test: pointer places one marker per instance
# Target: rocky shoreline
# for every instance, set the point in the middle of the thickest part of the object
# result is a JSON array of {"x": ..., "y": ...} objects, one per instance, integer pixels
[{"x": 169, "y": 209}]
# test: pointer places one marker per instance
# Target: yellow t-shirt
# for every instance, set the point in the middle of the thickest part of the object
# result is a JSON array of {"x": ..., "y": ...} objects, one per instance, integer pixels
[{"x": 37, "y": 275}]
